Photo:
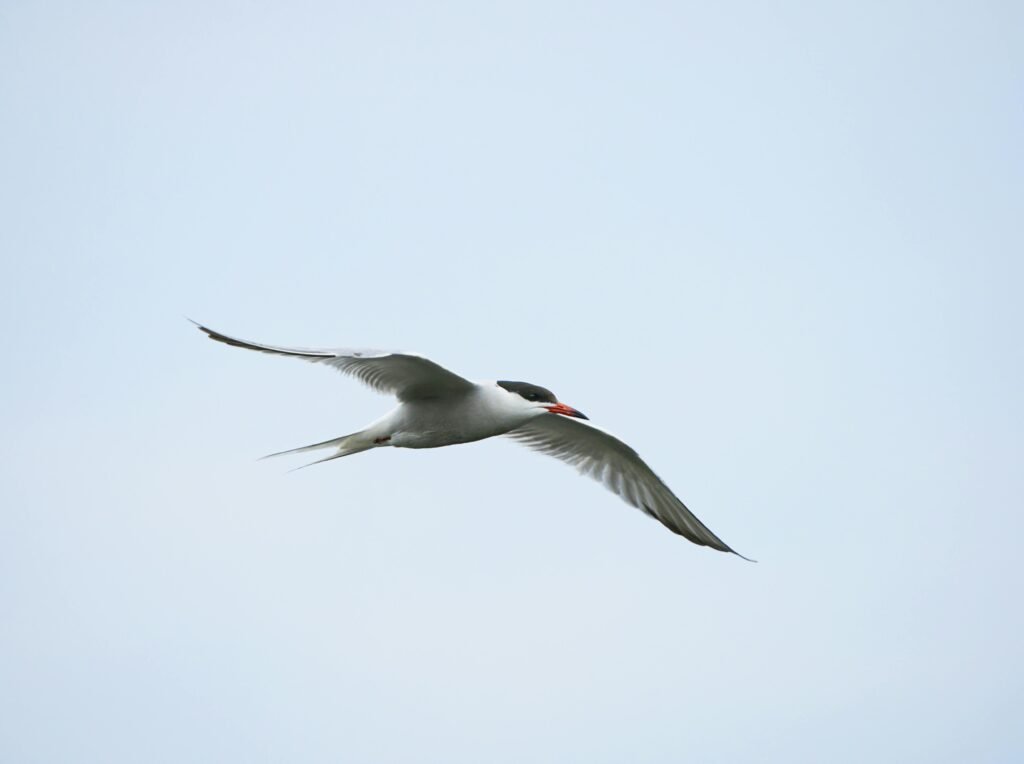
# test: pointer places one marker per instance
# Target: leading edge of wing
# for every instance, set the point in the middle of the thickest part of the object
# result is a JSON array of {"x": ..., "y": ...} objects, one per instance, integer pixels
[
  {"x": 408, "y": 376},
  {"x": 310, "y": 353}
]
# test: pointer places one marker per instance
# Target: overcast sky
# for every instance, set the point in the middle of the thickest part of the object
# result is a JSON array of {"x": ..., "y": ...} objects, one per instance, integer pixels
[{"x": 775, "y": 247}]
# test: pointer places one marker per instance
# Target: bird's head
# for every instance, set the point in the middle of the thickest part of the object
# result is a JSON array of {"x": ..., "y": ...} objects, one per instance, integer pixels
[{"x": 539, "y": 398}]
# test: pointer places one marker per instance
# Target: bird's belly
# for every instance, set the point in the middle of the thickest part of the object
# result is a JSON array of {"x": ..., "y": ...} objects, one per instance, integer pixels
[
  {"x": 427, "y": 426},
  {"x": 432, "y": 439}
]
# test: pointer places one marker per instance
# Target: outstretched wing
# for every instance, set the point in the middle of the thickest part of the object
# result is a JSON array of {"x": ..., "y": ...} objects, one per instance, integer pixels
[
  {"x": 602, "y": 456},
  {"x": 405, "y": 375}
]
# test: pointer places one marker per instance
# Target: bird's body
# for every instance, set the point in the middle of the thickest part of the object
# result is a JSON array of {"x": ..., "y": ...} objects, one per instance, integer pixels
[
  {"x": 439, "y": 408},
  {"x": 482, "y": 412}
]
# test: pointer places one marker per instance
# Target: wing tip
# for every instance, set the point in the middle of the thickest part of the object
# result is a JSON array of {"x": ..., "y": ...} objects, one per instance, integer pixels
[
  {"x": 725, "y": 548},
  {"x": 213, "y": 335}
]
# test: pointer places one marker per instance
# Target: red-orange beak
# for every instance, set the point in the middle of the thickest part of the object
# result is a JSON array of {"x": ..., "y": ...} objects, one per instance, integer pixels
[{"x": 561, "y": 408}]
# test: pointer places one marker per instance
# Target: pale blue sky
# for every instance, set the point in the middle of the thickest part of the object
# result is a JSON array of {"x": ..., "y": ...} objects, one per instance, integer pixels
[{"x": 777, "y": 248}]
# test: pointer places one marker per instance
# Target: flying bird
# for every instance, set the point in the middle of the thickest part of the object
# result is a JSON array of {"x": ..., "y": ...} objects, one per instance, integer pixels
[{"x": 437, "y": 407}]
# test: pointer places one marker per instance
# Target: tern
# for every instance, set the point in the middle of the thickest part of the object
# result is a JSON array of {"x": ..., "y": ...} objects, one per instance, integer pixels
[{"x": 437, "y": 407}]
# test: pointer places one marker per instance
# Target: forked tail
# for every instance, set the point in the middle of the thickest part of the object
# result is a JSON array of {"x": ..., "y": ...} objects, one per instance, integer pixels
[{"x": 346, "y": 445}]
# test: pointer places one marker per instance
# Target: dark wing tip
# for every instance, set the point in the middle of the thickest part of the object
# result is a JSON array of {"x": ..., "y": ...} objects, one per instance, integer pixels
[
  {"x": 724, "y": 548},
  {"x": 689, "y": 535},
  {"x": 214, "y": 335},
  {"x": 297, "y": 352},
  {"x": 204, "y": 329}
]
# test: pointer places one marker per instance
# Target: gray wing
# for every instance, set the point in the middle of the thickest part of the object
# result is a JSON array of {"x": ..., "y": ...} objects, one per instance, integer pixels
[
  {"x": 405, "y": 375},
  {"x": 602, "y": 456}
]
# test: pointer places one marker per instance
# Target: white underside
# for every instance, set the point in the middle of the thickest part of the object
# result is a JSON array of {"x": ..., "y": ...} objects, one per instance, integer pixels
[{"x": 484, "y": 412}]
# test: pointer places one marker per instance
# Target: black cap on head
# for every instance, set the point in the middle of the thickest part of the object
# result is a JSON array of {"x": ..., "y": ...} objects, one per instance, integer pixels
[{"x": 529, "y": 392}]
